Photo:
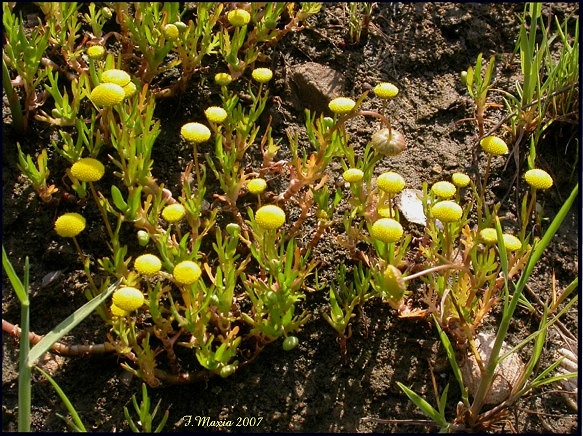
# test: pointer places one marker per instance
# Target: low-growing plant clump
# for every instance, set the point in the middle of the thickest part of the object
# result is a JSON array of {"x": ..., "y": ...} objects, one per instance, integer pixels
[{"x": 198, "y": 278}]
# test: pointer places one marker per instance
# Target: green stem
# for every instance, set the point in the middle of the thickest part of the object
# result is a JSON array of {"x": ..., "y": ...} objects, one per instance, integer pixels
[
  {"x": 103, "y": 215},
  {"x": 14, "y": 102}
]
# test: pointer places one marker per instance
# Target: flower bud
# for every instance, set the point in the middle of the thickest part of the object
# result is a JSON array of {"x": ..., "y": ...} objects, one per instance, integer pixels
[
  {"x": 386, "y": 90},
  {"x": 195, "y": 132},
  {"x": 223, "y": 79},
  {"x": 511, "y": 242},
  {"x": 96, "y": 52},
  {"x": 107, "y": 95},
  {"x": 538, "y": 179},
  {"x": 119, "y": 77},
  {"x": 186, "y": 272},
  {"x": 386, "y": 230},
  {"x": 290, "y": 343},
  {"x": 388, "y": 144},
  {"x": 88, "y": 170},
  {"x": 270, "y": 217},
  {"x": 171, "y": 32},
  {"x": 227, "y": 370},
  {"x": 341, "y": 105},
  {"x": 173, "y": 212},
  {"x": 70, "y": 225},
  {"x": 128, "y": 298},
  {"x": 494, "y": 145},
  {"x": 353, "y": 175},
  {"x": 446, "y": 211},
  {"x": 443, "y": 189},
  {"x": 147, "y": 264},
  {"x": 143, "y": 238},
  {"x": 239, "y": 17},
  {"x": 256, "y": 186},
  {"x": 460, "y": 180},
  {"x": 262, "y": 75},
  {"x": 215, "y": 114},
  {"x": 233, "y": 229},
  {"x": 391, "y": 182},
  {"x": 393, "y": 284}
]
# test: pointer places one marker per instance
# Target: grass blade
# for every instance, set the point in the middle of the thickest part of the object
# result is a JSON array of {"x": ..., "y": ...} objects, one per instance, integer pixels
[{"x": 68, "y": 324}]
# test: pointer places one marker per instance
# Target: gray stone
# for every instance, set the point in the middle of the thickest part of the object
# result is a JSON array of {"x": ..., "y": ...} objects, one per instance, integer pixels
[{"x": 312, "y": 86}]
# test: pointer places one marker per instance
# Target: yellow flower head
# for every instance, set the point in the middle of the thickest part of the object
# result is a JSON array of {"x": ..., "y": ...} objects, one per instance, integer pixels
[
  {"x": 107, "y": 94},
  {"x": 386, "y": 90},
  {"x": 393, "y": 283},
  {"x": 223, "y": 79},
  {"x": 386, "y": 230},
  {"x": 239, "y": 17},
  {"x": 494, "y": 145},
  {"x": 96, "y": 52},
  {"x": 116, "y": 311},
  {"x": 391, "y": 182},
  {"x": 215, "y": 114},
  {"x": 385, "y": 211},
  {"x": 511, "y": 242},
  {"x": 171, "y": 32},
  {"x": 353, "y": 175},
  {"x": 195, "y": 132},
  {"x": 173, "y": 212},
  {"x": 446, "y": 211},
  {"x": 270, "y": 217},
  {"x": 460, "y": 180},
  {"x": 262, "y": 75},
  {"x": 119, "y": 77},
  {"x": 186, "y": 272},
  {"x": 147, "y": 264},
  {"x": 257, "y": 185},
  {"x": 538, "y": 179},
  {"x": 130, "y": 89},
  {"x": 488, "y": 235},
  {"x": 88, "y": 169},
  {"x": 128, "y": 298},
  {"x": 341, "y": 105},
  {"x": 69, "y": 225},
  {"x": 443, "y": 189}
]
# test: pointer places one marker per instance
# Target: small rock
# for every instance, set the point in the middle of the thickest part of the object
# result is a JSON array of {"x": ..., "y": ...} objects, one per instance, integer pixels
[
  {"x": 506, "y": 374},
  {"x": 313, "y": 86}
]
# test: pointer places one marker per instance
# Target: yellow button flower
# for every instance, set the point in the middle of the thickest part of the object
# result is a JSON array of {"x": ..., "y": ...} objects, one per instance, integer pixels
[
  {"x": 391, "y": 182},
  {"x": 69, "y": 225},
  {"x": 393, "y": 283},
  {"x": 116, "y": 311},
  {"x": 262, "y": 75},
  {"x": 88, "y": 170},
  {"x": 386, "y": 230},
  {"x": 386, "y": 90},
  {"x": 270, "y": 217},
  {"x": 186, "y": 272},
  {"x": 443, "y": 189},
  {"x": 385, "y": 211},
  {"x": 195, "y": 132},
  {"x": 460, "y": 180},
  {"x": 488, "y": 235},
  {"x": 446, "y": 211},
  {"x": 107, "y": 95},
  {"x": 223, "y": 79},
  {"x": 257, "y": 185},
  {"x": 128, "y": 298},
  {"x": 119, "y": 77},
  {"x": 353, "y": 175},
  {"x": 238, "y": 17},
  {"x": 147, "y": 264},
  {"x": 215, "y": 114},
  {"x": 171, "y": 32},
  {"x": 130, "y": 89},
  {"x": 538, "y": 179},
  {"x": 494, "y": 145},
  {"x": 173, "y": 212},
  {"x": 96, "y": 52},
  {"x": 341, "y": 105},
  {"x": 511, "y": 242}
]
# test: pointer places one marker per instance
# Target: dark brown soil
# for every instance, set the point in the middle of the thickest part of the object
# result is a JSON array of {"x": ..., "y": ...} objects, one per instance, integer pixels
[{"x": 421, "y": 47}]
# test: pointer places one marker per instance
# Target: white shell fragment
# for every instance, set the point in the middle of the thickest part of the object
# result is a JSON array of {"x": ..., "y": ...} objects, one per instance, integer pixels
[
  {"x": 506, "y": 374},
  {"x": 409, "y": 204}
]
